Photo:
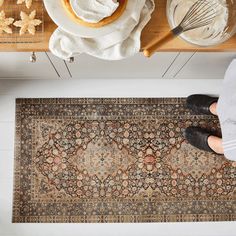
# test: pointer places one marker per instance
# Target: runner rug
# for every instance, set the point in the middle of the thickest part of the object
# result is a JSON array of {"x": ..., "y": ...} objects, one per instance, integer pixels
[{"x": 116, "y": 160}]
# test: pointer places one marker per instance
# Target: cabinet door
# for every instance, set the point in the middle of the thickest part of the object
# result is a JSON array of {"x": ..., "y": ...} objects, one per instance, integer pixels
[
  {"x": 17, "y": 65},
  {"x": 206, "y": 66},
  {"x": 136, "y": 67}
]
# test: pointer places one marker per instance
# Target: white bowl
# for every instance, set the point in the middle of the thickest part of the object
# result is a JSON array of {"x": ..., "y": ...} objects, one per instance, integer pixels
[{"x": 229, "y": 24}]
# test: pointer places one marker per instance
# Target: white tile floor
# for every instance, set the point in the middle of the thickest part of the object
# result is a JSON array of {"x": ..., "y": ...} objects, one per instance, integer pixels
[{"x": 11, "y": 89}]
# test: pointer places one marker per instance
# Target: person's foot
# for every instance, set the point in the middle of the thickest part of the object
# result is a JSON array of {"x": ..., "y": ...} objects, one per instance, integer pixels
[
  {"x": 203, "y": 140},
  {"x": 213, "y": 108},
  {"x": 202, "y": 104},
  {"x": 215, "y": 143}
]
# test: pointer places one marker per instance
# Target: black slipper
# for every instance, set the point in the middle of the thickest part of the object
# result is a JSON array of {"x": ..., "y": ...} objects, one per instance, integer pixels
[
  {"x": 198, "y": 138},
  {"x": 200, "y": 104}
]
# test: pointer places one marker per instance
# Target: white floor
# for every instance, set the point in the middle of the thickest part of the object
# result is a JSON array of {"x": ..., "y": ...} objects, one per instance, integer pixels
[{"x": 11, "y": 89}]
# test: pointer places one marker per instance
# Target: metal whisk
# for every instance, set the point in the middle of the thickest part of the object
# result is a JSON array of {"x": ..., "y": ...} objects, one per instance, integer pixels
[{"x": 202, "y": 13}]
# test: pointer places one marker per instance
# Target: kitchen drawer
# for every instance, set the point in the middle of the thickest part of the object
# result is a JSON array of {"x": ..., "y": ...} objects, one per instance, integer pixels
[
  {"x": 16, "y": 65},
  {"x": 205, "y": 66},
  {"x": 137, "y": 67}
]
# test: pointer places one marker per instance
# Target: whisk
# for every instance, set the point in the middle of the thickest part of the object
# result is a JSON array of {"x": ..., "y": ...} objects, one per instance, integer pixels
[{"x": 202, "y": 13}]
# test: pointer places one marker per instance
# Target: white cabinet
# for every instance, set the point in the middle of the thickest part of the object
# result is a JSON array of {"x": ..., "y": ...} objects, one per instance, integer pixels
[
  {"x": 204, "y": 65},
  {"x": 137, "y": 67},
  {"x": 184, "y": 65},
  {"x": 17, "y": 65},
  {"x": 166, "y": 65}
]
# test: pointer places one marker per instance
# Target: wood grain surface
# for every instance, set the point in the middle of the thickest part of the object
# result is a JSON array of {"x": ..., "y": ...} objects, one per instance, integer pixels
[{"x": 157, "y": 27}]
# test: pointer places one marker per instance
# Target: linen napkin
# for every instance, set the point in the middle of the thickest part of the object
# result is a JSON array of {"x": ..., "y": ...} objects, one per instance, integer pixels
[{"x": 122, "y": 43}]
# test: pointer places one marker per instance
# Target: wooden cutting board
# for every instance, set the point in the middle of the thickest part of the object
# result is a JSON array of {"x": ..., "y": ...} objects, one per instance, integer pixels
[{"x": 157, "y": 27}]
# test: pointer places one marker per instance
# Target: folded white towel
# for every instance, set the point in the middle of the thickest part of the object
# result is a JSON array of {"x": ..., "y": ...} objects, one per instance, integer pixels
[
  {"x": 123, "y": 42},
  {"x": 93, "y": 11}
]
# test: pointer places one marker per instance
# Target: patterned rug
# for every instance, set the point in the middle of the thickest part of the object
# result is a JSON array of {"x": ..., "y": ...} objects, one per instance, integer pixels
[{"x": 116, "y": 160}]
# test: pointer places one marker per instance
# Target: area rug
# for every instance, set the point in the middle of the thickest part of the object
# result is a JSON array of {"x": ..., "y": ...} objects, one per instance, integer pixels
[{"x": 116, "y": 160}]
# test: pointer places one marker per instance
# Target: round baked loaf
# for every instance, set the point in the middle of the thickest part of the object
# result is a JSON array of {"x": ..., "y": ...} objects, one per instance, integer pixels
[{"x": 120, "y": 10}]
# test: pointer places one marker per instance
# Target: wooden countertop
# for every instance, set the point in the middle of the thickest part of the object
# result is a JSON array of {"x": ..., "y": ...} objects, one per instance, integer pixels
[{"x": 158, "y": 26}]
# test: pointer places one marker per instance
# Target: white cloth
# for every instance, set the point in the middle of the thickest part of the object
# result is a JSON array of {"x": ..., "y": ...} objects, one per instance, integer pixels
[
  {"x": 93, "y": 11},
  {"x": 226, "y": 109},
  {"x": 123, "y": 42}
]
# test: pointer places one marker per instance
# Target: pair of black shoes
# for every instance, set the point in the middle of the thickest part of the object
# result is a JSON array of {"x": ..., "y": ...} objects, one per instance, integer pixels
[{"x": 196, "y": 136}]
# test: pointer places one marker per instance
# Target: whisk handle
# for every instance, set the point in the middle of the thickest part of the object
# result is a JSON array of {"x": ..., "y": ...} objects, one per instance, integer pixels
[{"x": 156, "y": 43}]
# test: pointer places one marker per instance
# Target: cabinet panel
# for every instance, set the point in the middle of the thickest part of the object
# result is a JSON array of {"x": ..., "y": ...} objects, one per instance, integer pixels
[
  {"x": 206, "y": 66},
  {"x": 60, "y": 66},
  {"x": 137, "y": 67},
  {"x": 18, "y": 65},
  {"x": 161, "y": 65},
  {"x": 178, "y": 64}
]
